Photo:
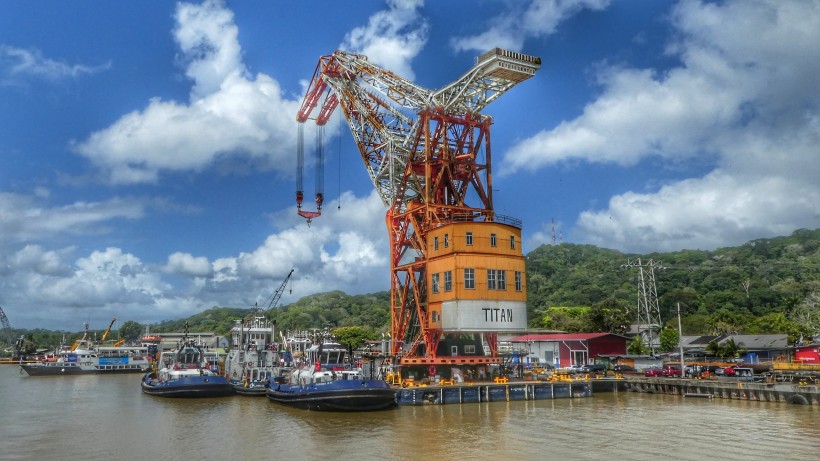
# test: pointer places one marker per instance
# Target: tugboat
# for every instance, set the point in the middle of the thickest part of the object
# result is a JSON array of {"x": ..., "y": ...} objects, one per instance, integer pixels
[
  {"x": 186, "y": 373},
  {"x": 327, "y": 382},
  {"x": 254, "y": 358}
]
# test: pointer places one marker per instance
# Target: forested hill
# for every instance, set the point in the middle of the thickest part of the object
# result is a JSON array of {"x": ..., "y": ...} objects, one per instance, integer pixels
[
  {"x": 764, "y": 286},
  {"x": 329, "y": 309}
]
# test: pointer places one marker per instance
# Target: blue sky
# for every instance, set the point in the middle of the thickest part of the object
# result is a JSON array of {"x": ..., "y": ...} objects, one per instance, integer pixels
[{"x": 148, "y": 148}]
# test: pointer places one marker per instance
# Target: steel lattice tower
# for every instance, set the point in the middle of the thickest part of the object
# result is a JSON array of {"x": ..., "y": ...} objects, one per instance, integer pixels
[{"x": 648, "y": 312}]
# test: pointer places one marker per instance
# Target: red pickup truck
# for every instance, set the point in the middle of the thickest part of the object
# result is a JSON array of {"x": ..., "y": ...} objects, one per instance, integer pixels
[{"x": 672, "y": 371}]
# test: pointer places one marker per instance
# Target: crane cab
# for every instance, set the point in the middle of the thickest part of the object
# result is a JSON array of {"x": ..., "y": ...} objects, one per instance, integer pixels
[{"x": 476, "y": 278}]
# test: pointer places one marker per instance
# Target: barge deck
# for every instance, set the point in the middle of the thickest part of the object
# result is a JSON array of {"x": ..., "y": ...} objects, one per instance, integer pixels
[
  {"x": 493, "y": 392},
  {"x": 794, "y": 393}
]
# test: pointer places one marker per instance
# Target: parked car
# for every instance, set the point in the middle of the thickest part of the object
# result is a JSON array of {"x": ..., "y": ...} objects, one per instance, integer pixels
[
  {"x": 744, "y": 372},
  {"x": 577, "y": 368},
  {"x": 672, "y": 371},
  {"x": 545, "y": 366},
  {"x": 653, "y": 372},
  {"x": 593, "y": 369},
  {"x": 624, "y": 369}
]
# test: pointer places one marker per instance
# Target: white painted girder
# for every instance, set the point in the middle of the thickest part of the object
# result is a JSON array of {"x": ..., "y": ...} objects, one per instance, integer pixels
[{"x": 384, "y": 131}]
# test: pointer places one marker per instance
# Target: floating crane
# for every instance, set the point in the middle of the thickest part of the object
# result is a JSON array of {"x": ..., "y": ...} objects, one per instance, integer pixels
[{"x": 457, "y": 268}]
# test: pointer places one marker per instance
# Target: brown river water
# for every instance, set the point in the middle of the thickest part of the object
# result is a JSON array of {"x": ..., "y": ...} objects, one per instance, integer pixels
[{"x": 108, "y": 417}]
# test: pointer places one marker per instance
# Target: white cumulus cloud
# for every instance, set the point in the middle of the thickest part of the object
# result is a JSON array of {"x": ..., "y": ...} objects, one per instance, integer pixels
[
  {"x": 534, "y": 19},
  {"x": 392, "y": 37},
  {"x": 229, "y": 113},
  {"x": 745, "y": 98}
]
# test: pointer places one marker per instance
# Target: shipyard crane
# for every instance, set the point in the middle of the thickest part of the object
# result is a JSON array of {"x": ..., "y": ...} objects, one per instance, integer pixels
[
  {"x": 6, "y": 326},
  {"x": 272, "y": 301},
  {"x": 278, "y": 293},
  {"x": 108, "y": 330},
  {"x": 9, "y": 336},
  {"x": 428, "y": 155}
]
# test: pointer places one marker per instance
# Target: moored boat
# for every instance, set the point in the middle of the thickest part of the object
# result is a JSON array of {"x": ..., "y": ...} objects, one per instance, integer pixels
[
  {"x": 328, "y": 382},
  {"x": 253, "y": 359},
  {"x": 86, "y": 358},
  {"x": 186, "y": 372}
]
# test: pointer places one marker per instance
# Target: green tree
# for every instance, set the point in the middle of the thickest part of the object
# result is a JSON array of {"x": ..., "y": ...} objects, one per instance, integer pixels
[
  {"x": 29, "y": 346},
  {"x": 807, "y": 316},
  {"x": 353, "y": 337},
  {"x": 569, "y": 319},
  {"x": 732, "y": 349},
  {"x": 695, "y": 324},
  {"x": 713, "y": 349},
  {"x": 609, "y": 315},
  {"x": 130, "y": 331},
  {"x": 725, "y": 321},
  {"x": 637, "y": 347},
  {"x": 669, "y": 339}
]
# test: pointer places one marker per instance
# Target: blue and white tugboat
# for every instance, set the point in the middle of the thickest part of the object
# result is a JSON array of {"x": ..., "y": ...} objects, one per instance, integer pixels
[
  {"x": 328, "y": 382},
  {"x": 186, "y": 372}
]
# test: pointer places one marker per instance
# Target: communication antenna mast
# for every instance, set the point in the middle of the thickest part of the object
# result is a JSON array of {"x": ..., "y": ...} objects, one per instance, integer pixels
[
  {"x": 553, "y": 231},
  {"x": 649, "y": 313}
]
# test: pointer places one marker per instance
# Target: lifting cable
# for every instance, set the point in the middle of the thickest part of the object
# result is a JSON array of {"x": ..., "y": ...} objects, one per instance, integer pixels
[
  {"x": 339, "y": 205},
  {"x": 320, "y": 174}
]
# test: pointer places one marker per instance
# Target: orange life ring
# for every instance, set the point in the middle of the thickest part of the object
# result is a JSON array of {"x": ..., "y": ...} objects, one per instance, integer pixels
[{"x": 432, "y": 370}]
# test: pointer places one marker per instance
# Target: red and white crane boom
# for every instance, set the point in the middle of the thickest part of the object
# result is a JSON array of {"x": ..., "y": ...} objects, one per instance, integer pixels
[{"x": 427, "y": 153}]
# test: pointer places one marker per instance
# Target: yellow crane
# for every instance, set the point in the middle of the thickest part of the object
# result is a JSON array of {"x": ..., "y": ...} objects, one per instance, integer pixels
[{"x": 108, "y": 330}]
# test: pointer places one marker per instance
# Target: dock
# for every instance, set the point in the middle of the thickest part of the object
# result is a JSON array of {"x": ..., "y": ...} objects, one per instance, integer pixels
[
  {"x": 493, "y": 392},
  {"x": 801, "y": 393},
  {"x": 479, "y": 392}
]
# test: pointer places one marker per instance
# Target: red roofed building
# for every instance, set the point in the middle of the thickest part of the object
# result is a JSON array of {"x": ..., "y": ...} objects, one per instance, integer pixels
[{"x": 565, "y": 349}]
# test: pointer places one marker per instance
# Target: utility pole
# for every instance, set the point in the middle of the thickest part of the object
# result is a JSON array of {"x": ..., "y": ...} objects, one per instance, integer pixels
[{"x": 649, "y": 316}]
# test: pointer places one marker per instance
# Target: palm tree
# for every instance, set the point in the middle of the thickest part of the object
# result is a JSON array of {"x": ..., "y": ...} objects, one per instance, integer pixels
[
  {"x": 713, "y": 349},
  {"x": 732, "y": 349}
]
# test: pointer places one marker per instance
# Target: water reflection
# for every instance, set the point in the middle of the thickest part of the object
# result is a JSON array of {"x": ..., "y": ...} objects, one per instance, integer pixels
[{"x": 93, "y": 417}]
